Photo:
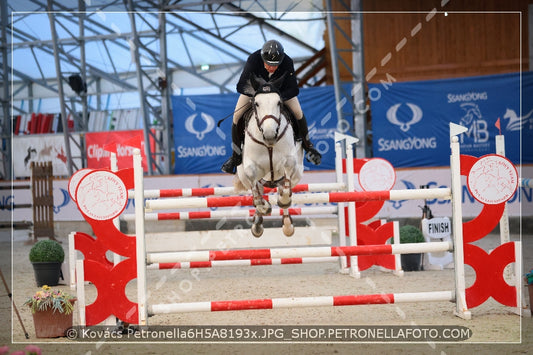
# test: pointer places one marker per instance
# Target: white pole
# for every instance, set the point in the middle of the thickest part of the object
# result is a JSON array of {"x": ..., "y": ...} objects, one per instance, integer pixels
[
  {"x": 461, "y": 309},
  {"x": 111, "y": 320},
  {"x": 140, "y": 236},
  {"x": 116, "y": 221},
  {"x": 352, "y": 229},
  {"x": 517, "y": 279},
  {"x": 397, "y": 257},
  {"x": 72, "y": 260},
  {"x": 504, "y": 220},
  {"x": 340, "y": 207},
  {"x": 80, "y": 292}
]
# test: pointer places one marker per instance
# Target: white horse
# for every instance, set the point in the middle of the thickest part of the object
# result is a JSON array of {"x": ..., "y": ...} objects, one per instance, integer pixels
[{"x": 271, "y": 157}]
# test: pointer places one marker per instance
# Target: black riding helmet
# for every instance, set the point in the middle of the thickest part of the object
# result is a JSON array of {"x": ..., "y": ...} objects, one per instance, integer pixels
[{"x": 272, "y": 53}]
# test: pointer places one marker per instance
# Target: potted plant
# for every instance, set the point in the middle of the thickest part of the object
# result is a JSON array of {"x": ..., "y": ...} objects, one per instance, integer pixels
[
  {"x": 411, "y": 234},
  {"x": 52, "y": 312},
  {"x": 46, "y": 257}
]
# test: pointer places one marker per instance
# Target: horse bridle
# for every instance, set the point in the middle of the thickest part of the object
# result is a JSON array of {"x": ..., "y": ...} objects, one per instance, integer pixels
[
  {"x": 272, "y": 182},
  {"x": 260, "y": 122}
]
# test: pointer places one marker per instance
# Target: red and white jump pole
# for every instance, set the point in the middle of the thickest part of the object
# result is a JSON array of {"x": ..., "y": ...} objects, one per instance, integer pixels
[
  {"x": 220, "y": 191},
  {"x": 321, "y": 197},
  {"x": 241, "y": 213},
  {"x": 291, "y": 302},
  {"x": 240, "y": 262},
  {"x": 280, "y": 253}
]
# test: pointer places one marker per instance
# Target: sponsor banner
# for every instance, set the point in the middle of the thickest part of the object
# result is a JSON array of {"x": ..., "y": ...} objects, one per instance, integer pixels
[
  {"x": 43, "y": 148},
  {"x": 65, "y": 208},
  {"x": 99, "y": 145},
  {"x": 410, "y": 120},
  {"x": 202, "y": 147}
]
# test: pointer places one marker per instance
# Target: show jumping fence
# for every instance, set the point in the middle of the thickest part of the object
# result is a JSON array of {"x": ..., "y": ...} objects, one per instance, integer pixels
[{"x": 111, "y": 279}]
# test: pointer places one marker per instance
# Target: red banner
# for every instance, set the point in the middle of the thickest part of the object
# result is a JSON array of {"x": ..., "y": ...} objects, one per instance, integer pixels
[{"x": 101, "y": 144}]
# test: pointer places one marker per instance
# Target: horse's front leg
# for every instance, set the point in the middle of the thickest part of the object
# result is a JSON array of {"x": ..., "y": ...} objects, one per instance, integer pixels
[{"x": 262, "y": 207}]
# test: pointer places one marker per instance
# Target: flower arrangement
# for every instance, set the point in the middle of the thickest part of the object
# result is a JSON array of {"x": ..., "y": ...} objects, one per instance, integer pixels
[{"x": 46, "y": 298}]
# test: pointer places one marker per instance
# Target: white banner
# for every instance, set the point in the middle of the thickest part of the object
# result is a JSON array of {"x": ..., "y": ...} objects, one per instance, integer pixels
[{"x": 43, "y": 148}]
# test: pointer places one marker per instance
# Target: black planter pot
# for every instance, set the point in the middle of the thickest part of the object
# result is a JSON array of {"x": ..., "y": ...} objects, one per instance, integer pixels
[
  {"x": 47, "y": 273},
  {"x": 411, "y": 262}
]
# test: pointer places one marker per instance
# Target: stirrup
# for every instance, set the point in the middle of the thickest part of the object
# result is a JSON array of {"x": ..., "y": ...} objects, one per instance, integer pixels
[{"x": 230, "y": 166}]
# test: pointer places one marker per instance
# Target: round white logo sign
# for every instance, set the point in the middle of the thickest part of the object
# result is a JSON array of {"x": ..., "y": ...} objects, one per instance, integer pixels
[
  {"x": 493, "y": 179},
  {"x": 377, "y": 175},
  {"x": 75, "y": 180},
  {"x": 101, "y": 195}
]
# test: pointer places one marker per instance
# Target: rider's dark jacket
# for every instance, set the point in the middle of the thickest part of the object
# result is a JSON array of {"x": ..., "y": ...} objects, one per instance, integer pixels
[{"x": 254, "y": 64}]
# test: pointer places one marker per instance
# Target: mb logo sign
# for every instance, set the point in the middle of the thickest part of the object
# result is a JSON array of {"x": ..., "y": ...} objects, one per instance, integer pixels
[{"x": 473, "y": 119}]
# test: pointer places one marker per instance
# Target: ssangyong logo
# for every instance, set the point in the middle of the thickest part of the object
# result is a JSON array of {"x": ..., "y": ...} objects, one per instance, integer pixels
[
  {"x": 406, "y": 142},
  {"x": 209, "y": 125},
  {"x": 404, "y": 126}
]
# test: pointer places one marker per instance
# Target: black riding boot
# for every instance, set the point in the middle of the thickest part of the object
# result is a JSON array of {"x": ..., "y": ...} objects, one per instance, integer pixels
[
  {"x": 312, "y": 155},
  {"x": 237, "y": 139}
]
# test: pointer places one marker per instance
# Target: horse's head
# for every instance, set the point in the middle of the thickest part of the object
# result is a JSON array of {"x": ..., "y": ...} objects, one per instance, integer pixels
[
  {"x": 267, "y": 106},
  {"x": 510, "y": 114},
  {"x": 472, "y": 113}
]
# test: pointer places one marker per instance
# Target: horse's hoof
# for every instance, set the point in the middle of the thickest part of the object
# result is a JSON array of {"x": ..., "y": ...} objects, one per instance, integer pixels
[
  {"x": 288, "y": 227},
  {"x": 257, "y": 230},
  {"x": 288, "y": 231}
]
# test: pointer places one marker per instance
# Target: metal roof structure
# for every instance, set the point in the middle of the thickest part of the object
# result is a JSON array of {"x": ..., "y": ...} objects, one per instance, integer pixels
[{"x": 136, "y": 54}]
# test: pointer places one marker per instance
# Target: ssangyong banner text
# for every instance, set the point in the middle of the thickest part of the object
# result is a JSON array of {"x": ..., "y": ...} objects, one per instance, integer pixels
[{"x": 410, "y": 120}]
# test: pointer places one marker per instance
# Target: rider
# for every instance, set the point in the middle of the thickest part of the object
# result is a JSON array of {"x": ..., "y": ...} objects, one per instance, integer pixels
[{"x": 270, "y": 62}]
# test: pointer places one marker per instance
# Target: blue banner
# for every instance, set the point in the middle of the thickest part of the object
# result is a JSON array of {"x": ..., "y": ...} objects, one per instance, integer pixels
[
  {"x": 201, "y": 147},
  {"x": 410, "y": 120}
]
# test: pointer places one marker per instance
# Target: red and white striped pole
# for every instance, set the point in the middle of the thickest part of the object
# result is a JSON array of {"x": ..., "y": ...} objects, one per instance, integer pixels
[
  {"x": 220, "y": 191},
  {"x": 323, "y": 197},
  {"x": 241, "y": 262},
  {"x": 299, "y": 211},
  {"x": 280, "y": 253},
  {"x": 321, "y": 301}
]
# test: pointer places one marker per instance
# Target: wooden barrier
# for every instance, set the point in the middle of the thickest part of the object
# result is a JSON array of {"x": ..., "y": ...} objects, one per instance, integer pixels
[{"x": 43, "y": 200}]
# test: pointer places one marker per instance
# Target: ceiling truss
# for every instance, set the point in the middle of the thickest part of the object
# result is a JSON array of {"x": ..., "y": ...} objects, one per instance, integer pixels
[{"x": 151, "y": 23}]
